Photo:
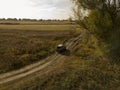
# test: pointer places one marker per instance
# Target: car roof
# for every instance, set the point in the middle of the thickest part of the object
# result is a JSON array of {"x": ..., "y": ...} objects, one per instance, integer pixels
[{"x": 60, "y": 45}]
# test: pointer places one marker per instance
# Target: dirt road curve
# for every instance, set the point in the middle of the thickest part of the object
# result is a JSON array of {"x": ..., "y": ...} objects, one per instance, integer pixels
[{"x": 39, "y": 66}]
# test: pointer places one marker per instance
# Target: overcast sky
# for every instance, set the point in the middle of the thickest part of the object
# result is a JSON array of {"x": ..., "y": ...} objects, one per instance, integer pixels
[{"x": 45, "y": 9}]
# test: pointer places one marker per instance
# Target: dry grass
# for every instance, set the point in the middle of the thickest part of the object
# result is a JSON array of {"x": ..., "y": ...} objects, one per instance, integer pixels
[
  {"x": 20, "y": 48},
  {"x": 37, "y": 27}
]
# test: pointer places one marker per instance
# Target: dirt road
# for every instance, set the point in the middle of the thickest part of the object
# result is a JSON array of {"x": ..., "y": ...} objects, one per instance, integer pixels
[{"x": 39, "y": 66}]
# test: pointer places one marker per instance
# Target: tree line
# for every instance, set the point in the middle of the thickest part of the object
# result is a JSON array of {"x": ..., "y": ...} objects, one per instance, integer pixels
[{"x": 25, "y": 19}]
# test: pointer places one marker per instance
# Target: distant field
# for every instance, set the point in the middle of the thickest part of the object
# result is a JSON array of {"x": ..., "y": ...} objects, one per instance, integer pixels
[{"x": 37, "y": 27}]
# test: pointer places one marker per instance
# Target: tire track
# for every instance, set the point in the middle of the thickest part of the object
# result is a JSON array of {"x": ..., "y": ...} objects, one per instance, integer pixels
[{"x": 24, "y": 74}]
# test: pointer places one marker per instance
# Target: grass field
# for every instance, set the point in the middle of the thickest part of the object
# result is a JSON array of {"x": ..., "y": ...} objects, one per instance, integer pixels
[
  {"x": 37, "y": 27},
  {"x": 21, "y": 45}
]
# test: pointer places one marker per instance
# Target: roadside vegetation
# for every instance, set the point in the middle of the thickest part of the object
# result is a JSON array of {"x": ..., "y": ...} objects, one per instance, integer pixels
[{"x": 103, "y": 21}]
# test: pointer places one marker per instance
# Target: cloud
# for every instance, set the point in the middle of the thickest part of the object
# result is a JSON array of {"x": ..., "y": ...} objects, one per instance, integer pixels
[
  {"x": 45, "y": 9},
  {"x": 53, "y": 3},
  {"x": 57, "y": 8}
]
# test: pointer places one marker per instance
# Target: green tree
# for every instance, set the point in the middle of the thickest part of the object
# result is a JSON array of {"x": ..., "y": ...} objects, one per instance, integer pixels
[
  {"x": 109, "y": 7},
  {"x": 103, "y": 20}
]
